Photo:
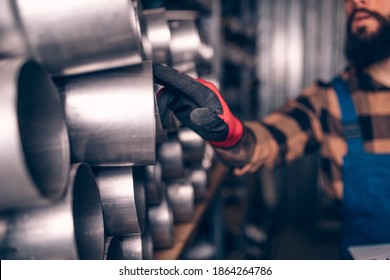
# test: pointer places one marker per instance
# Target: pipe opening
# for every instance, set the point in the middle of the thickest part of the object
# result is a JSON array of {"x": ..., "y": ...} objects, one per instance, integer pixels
[{"x": 43, "y": 131}]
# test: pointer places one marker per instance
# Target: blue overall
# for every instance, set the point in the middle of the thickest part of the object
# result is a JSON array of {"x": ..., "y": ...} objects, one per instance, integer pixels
[{"x": 366, "y": 178}]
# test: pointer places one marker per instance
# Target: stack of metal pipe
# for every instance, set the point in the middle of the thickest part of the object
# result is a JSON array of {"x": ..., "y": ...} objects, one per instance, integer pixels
[{"x": 87, "y": 170}]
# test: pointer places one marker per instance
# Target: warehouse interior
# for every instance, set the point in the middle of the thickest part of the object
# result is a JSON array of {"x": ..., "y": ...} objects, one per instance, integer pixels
[{"x": 88, "y": 169}]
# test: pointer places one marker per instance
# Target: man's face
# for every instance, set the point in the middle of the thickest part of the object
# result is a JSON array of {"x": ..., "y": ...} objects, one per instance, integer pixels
[
  {"x": 368, "y": 32},
  {"x": 363, "y": 21}
]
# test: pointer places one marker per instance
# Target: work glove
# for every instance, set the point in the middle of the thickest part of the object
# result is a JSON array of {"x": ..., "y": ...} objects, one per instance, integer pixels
[{"x": 198, "y": 105}]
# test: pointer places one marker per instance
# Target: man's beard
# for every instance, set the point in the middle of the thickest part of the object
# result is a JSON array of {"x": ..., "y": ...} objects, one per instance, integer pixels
[{"x": 363, "y": 50}]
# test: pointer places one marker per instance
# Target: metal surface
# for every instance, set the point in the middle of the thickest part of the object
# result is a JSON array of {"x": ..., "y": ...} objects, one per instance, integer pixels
[
  {"x": 193, "y": 147},
  {"x": 170, "y": 155},
  {"x": 161, "y": 222},
  {"x": 34, "y": 145},
  {"x": 182, "y": 198},
  {"x": 123, "y": 198},
  {"x": 138, "y": 246},
  {"x": 112, "y": 249},
  {"x": 198, "y": 178},
  {"x": 73, "y": 37},
  {"x": 159, "y": 34},
  {"x": 185, "y": 40},
  {"x": 69, "y": 229},
  {"x": 152, "y": 179},
  {"x": 12, "y": 41},
  {"x": 111, "y": 116},
  {"x": 201, "y": 250}
]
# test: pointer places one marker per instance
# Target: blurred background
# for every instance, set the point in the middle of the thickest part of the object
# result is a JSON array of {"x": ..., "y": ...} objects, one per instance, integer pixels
[{"x": 88, "y": 170}]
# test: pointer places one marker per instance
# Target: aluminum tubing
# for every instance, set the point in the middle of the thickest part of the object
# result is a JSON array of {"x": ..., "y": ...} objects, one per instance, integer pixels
[
  {"x": 161, "y": 222},
  {"x": 111, "y": 116},
  {"x": 69, "y": 229},
  {"x": 182, "y": 198},
  {"x": 159, "y": 34},
  {"x": 185, "y": 41},
  {"x": 112, "y": 249},
  {"x": 123, "y": 198},
  {"x": 74, "y": 37},
  {"x": 152, "y": 179},
  {"x": 170, "y": 156},
  {"x": 193, "y": 147},
  {"x": 34, "y": 145},
  {"x": 13, "y": 42},
  {"x": 199, "y": 181},
  {"x": 138, "y": 246}
]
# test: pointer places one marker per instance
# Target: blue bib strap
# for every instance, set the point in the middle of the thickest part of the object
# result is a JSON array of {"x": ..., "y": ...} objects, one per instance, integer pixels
[{"x": 351, "y": 128}]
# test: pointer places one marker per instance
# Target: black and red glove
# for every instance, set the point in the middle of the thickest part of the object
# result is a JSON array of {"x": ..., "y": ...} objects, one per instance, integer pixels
[{"x": 198, "y": 105}]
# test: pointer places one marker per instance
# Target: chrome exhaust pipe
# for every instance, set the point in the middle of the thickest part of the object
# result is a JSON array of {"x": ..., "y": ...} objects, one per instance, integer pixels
[
  {"x": 111, "y": 116},
  {"x": 34, "y": 145},
  {"x": 69, "y": 229},
  {"x": 123, "y": 198}
]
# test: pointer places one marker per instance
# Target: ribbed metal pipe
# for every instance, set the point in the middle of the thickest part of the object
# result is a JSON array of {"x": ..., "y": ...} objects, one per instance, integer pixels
[
  {"x": 34, "y": 145},
  {"x": 170, "y": 155},
  {"x": 83, "y": 36},
  {"x": 69, "y": 229},
  {"x": 193, "y": 147},
  {"x": 111, "y": 116},
  {"x": 138, "y": 246},
  {"x": 152, "y": 179},
  {"x": 159, "y": 34},
  {"x": 123, "y": 198},
  {"x": 161, "y": 221},
  {"x": 112, "y": 249},
  {"x": 182, "y": 198}
]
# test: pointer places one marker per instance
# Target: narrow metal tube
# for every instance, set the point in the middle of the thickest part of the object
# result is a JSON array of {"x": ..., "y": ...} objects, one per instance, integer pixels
[
  {"x": 182, "y": 198},
  {"x": 193, "y": 147},
  {"x": 111, "y": 116},
  {"x": 123, "y": 198},
  {"x": 112, "y": 249},
  {"x": 138, "y": 246},
  {"x": 161, "y": 221},
  {"x": 152, "y": 179},
  {"x": 199, "y": 181},
  {"x": 158, "y": 33},
  {"x": 83, "y": 36},
  {"x": 170, "y": 155},
  {"x": 34, "y": 145},
  {"x": 69, "y": 229}
]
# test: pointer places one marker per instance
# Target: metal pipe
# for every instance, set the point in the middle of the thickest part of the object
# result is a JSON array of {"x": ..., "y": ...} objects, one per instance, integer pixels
[
  {"x": 185, "y": 39},
  {"x": 161, "y": 221},
  {"x": 158, "y": 33},
  {"x": 123, "y": 198},
  {"x": 111, "y": 116},
  {"x": 170, "y": 155},
  {"x": 199, "y": 181},
  {"x": 182, "y": 198},
  {"x": 138, "y": 246},
  {"x": 34, "y": 145},
  {"x": 152, "y": 179},
  {"x": 69, "y": 229},
  {"x": 193, "y": 147},
  {"x": 112, "y": 249},
  {"x": 83, "y": 36}
]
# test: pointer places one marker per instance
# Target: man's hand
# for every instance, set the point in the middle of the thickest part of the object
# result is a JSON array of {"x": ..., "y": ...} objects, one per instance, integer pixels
[{"x": 198, "y": 105}]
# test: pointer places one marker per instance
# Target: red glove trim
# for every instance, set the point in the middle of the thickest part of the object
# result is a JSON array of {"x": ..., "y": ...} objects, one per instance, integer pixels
[{"x": 235, "y": 126}]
